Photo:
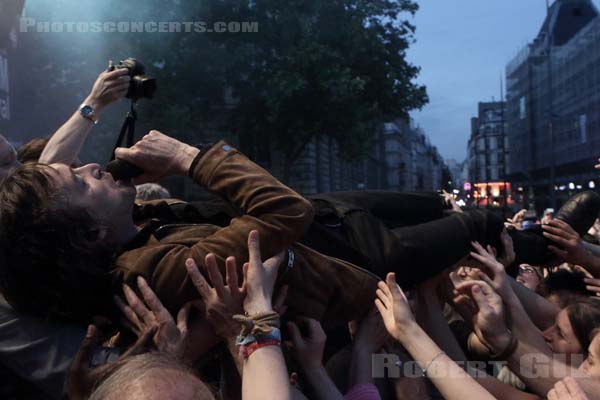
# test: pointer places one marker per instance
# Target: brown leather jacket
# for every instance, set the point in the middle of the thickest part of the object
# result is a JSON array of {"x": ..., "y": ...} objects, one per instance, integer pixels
[{"x": 320, "y": 287}]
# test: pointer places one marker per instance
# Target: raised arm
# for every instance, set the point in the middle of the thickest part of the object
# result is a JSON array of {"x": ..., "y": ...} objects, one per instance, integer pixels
[
  {"x": 64, "y": 145},
  {"x": 450, "y": 379}
]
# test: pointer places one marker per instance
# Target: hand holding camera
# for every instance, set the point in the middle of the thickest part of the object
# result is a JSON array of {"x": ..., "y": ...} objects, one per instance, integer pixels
[{"x": 110, "y": 86}]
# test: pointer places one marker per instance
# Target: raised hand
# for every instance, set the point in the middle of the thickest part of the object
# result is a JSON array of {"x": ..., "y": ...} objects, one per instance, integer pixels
[
  {"x": 569, "y": 246},
  {"x": 259, "y": 277},
  {"x": 140, "y": 317},
  {"x": 494, "y": 269},
  {"x": 508, "y": 254},
  {"x": 393, "y": 307},
  {"x": 593, "y": 285},
  {"x": 489, "y": 322},
  {"x": 221, "y": 301},
  {"x": 308, "y": 346},
  {"x": 110, "y": 86}
]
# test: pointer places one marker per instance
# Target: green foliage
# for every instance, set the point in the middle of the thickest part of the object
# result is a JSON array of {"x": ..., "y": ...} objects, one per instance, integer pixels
[{"x": 314, "y": 67}]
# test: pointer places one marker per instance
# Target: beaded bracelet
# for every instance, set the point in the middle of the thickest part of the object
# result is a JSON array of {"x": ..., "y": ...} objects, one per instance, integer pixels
[{"x": 247, "y": 350}]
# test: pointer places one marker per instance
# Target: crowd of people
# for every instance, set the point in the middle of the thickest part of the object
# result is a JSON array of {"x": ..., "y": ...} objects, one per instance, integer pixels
[{"x": 111, "y": 289}]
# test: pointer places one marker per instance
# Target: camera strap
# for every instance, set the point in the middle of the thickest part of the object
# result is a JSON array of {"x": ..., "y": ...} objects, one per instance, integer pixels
[{"x": 128, "y": 128}]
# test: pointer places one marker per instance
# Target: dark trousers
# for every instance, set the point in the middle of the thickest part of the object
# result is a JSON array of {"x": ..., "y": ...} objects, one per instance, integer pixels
[{"x": 410, "y": 234}]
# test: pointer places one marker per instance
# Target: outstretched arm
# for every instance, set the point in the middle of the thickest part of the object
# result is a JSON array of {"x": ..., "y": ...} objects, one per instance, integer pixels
[
  {"x": 449, "y": 378},
  {"x": 64, "y": 145}
]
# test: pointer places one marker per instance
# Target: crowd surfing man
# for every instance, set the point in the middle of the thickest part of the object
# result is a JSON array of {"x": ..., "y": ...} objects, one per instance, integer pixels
[{"x": 69, "y": 240}]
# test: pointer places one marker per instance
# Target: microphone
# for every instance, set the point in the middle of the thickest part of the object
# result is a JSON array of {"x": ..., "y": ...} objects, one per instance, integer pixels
[{"x": 122, "y": 170}]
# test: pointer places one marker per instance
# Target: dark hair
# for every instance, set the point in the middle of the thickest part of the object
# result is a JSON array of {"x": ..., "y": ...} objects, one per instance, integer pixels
[
  {"x": 584, "y": 316},
  {"x": 32, "y": 150},
  {"x": 563, "y": 279},
  {"x": 52, "y": 261}
]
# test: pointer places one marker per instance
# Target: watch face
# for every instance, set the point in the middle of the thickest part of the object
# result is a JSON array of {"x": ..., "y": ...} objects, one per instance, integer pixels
[{"x": 87, "y": 111}]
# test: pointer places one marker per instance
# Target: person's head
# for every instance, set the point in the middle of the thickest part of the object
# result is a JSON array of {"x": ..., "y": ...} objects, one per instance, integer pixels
[
  {"x": 151, "y": 191},
  {"x": 151, "y": 376},
  {"x": 8, "y": 157},
  {"x": 58, "y": 231},
  {"x": 32, "y": 150},
  {"x": 529, "y": 276},
  {"x": 570, "y": 333},
  {"x": 591, "y": 365},
  {"x": 562, "y": 286}
]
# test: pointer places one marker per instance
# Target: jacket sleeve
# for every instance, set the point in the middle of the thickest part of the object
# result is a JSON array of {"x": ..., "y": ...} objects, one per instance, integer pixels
[{"x": 279, "y": 214}]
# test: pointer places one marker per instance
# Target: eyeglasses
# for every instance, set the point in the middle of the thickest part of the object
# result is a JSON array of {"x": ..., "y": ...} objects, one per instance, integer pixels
[{"x": 526, "y": 270}]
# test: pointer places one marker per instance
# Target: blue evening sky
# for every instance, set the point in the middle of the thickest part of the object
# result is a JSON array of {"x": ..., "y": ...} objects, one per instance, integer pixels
[{"x": 463, "y": 47}]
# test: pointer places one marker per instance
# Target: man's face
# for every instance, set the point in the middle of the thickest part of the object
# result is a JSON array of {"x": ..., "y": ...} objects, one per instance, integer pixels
[
  {"x": 96, "y": 191},
  {"x": 8, "y": 157}
]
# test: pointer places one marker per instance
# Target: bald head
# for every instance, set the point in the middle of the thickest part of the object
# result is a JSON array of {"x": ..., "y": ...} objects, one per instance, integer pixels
[{"x": 152, "y": 376}]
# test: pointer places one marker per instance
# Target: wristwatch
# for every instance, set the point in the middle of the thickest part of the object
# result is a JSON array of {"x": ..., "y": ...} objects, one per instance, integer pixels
[{"x": 88, "y": 112}]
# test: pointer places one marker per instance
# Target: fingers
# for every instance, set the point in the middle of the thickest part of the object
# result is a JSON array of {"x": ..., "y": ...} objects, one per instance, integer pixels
[
  {"x": 84, "y": 356},
  {"x": 559, "y": 252},
  {"x": 479, "y": 248},
  {"x": 182, "y": 318},
  {"x": 556, "y": 239},
  {"x": 142, "y": 344},
  {"x": 136, "y": 304},
  {"x": 395, "y": 290},
  {"x": 561, "y": 390},
  {"x": 254, "y": 248},
  {"x": 245, "y": 276},
  {"x": 160, "y": 312},
  {"x": 380, "y": 306},
  {"x": 197, "y": 278},
  {"x": 467, "y": 285},
  {"x": 480, "y": 299},
  {"x": 573, "y": 387},
  {"x": 593, "y": 285},
  {"x": 214, "y": 274},
  {"x": 231, "y": 275},
  {"x": 127, "y": 154},
  {"x": 135, "y": 325},
  {"x": 116, "y": 73},
  {"x": 385, "y": 299},
  {"x": 561, "y": 225},
  {"x": 558, "y": 232},
  {"x": 384, "y": 293}
]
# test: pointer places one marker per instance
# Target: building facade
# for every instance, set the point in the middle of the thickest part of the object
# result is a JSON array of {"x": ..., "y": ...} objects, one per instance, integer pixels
[
  {"x": 488, "y": 144},
  {"x": 403, "y": 159},
  {"x": 553, "y": 107}
]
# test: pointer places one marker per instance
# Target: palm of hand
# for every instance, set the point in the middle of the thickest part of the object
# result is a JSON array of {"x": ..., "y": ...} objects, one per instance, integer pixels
[
  {"x": 220, "y": 310},
  {"x": 489, "y": 323}
]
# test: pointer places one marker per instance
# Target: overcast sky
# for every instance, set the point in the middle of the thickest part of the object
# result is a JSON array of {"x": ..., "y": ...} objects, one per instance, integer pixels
[{"x": 463, "y": 47}]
